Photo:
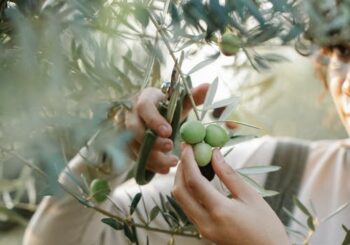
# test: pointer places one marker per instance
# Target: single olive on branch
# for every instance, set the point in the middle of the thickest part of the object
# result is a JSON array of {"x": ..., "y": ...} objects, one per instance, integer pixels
[
  {"x": 99, "y": 189},
  {"x": 229, "y": 43}
]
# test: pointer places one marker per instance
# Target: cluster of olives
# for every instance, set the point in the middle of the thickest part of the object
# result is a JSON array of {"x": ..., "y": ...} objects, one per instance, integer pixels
[
  {"x": 99, "y": 189},
  {"x": 203, "y": 139}
]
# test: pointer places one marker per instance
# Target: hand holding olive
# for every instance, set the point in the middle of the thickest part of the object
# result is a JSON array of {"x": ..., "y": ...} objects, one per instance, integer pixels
[
  {"x": 193, "y": 132},
  {"x": 221, "y": 219},
  {"x": 145, "y": 114}
]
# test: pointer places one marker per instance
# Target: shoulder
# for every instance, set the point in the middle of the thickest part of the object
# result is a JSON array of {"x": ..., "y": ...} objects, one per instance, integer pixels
[
  {"x": 328, "y": 149},
  {"x": 329, "y": 144}
]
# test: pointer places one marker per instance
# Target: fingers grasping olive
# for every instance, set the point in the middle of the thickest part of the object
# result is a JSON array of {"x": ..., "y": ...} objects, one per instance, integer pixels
[{"x": 203, "y": 139}]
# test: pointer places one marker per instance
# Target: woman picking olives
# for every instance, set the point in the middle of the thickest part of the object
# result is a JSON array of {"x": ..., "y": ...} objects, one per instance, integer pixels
[{"x": 244, "y": 219}]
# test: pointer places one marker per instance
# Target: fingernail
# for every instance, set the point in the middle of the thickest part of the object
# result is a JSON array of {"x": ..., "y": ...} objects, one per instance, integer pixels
[
  {"x": 182, "y": 145},
  {"x": 164, "y": 130}
]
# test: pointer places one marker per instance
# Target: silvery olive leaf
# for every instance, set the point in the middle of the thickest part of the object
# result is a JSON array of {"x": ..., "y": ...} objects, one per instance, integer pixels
[
  {"x": 259, "y": 188},
  {"x": 258, "y": 170},
  {"x": 209, "y": 96}
]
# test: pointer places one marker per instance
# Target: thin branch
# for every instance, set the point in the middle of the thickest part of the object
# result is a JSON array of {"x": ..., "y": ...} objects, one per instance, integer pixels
[
  {"x": 188, "y": 91},
  {"x": 146, "y": 227},
  {"x": 25, "y": 161}
]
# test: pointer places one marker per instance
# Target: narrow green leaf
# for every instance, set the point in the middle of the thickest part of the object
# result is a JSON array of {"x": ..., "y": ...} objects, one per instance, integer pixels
[
  {"x": 129, "y": 234},
  {"x": 113, "y": 223},
  {"x": 271, "y": 57},
  {"x": 210, "y": 96},
  {"x": 301, "y": 206},
  {"x": 259, "y": 188},
  {"x": 253, "y": 9},
  {"x": 135, "y": 202},
  {"x": 228, "y": 110},
  {"x": 258, "y": 170},
  {"x": 189, "y": 228},
  {"x": 204, "y": 63},
  {"x": 134, "y": 232},
  {"x": 154, "y": 212},
  {"x": 180, "y": 213},
  {"x": 228, "y": 151},
  {"x": 173, "y": 220},
  {"x": 166, "y": 7},
  {"x": 221, "y": 103},
  {"x": 148, "y": 71},
  {"x": 162, "y": 201},
  {"x": 346, "y": 240},
  {"x": 295, "y": 31},
  {"x": 295, "y": 232},
  {"x": 261, "y": 63},
  {"x": 142, "y": 14},
  {"x": 311, "y": 223},
  {"x": 289, "y": 213}
]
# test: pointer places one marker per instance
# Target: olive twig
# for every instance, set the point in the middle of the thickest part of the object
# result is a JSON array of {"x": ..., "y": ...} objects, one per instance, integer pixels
[
  {"x": 188, "y": 91},
  {"x": 131, "y": 222},
  {"x": 128, "y": 220},
  {"x": 237, "y": 122},
  {"x": 25, "y": 161}
]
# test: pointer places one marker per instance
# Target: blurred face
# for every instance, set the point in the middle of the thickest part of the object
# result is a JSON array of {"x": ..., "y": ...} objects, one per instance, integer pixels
[{"x": 339, "y": 82}]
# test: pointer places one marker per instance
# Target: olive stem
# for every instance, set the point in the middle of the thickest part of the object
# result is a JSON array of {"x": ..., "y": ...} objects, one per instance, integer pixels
[
  {"x": 146, "y": 227},
  {"x": 129, "y": 221},
  {"x": 25, "y": 161},
  {"x": 238, "y": 122},
  {"x": 188, "y": 91}
]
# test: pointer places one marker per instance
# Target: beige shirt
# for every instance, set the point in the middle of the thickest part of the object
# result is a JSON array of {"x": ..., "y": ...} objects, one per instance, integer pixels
[{"x": 326, "y": 182}]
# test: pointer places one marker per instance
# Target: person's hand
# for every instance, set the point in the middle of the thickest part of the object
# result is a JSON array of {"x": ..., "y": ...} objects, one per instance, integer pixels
[
  {"x": 246, "y": 219},
  {"x": 145, "y": 115}
]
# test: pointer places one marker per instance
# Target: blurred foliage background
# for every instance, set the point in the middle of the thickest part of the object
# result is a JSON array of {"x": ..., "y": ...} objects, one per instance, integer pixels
[{"x": 64, "y": 64}]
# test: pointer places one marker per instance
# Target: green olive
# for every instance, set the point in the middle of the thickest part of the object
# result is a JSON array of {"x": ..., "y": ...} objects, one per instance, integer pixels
[
  {"x": 216, "y": 136},
  {"x": 192, "y": 132},
  {"x": 229, "y": 44},
  {"x": 202, "y": 153},
  {"x": 99, "y": 189}
]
